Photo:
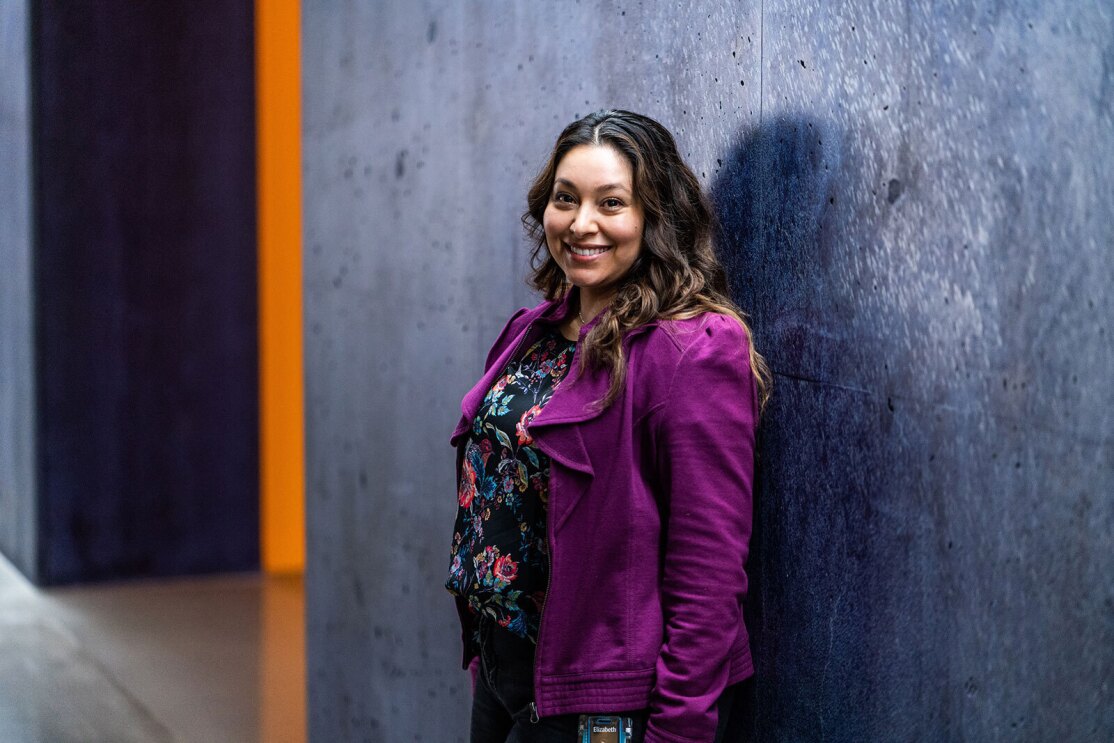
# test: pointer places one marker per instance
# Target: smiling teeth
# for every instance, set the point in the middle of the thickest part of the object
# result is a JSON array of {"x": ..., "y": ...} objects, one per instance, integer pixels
[{"x": 587, "y": 252}]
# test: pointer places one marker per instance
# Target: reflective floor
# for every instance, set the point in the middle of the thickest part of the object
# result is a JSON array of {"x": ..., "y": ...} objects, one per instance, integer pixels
[{"x": 209, "y": 660}]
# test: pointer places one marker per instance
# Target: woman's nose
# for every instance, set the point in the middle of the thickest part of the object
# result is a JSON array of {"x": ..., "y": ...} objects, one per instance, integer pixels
[{"x": 585, "y": 221}]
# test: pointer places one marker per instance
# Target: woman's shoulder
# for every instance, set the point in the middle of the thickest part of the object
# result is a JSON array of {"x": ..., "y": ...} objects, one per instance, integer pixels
[
  {"x": 668, "y": 349},
  {"x": 515, "y": 324},
  {"x": 707, "y": 332},
  {"x": 523, "y": 316},
  {"x": 699, "y": 358}
]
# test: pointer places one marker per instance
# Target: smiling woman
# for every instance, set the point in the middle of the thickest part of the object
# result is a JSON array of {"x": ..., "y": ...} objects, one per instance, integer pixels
[
  {"x": 605, "y": 461},
  {"x": 593, "y": 225}
]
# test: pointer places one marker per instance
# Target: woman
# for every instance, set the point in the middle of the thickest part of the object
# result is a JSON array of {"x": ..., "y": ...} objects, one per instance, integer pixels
[{"x": 605, "y": 460}]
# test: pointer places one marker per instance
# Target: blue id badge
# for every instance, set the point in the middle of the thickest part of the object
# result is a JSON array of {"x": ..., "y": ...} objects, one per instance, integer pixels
[{"x": 604, "y": 729}]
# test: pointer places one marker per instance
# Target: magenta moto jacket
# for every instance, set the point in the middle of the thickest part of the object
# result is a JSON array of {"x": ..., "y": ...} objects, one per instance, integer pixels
[{"x": 649, "y": 520}]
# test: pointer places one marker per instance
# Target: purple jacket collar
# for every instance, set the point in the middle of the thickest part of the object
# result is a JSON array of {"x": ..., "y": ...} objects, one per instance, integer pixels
[{"x": 572, "y": 403}]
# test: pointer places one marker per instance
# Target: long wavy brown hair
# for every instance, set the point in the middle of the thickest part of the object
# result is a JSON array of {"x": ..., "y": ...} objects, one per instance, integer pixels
[{"x": 675, "y": 276}]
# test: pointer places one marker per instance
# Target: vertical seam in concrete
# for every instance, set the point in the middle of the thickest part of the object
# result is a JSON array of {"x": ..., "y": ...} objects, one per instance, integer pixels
[{"x": 761, "y": 54}]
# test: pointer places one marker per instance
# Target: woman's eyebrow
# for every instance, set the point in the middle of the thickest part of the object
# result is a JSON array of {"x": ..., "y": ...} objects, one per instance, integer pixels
[{"x": 607, "y": 187}]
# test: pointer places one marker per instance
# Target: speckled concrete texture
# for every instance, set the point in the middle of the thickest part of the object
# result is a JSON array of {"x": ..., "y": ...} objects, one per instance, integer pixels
[
  {"x": 913, "y": 213},
  {"x": 18, "y": 531}
]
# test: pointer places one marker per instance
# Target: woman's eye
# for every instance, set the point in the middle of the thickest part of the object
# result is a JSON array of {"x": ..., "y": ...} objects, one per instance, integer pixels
[
  {"x": 612, "y": 203},
  {"x": 562, "y": 197}
]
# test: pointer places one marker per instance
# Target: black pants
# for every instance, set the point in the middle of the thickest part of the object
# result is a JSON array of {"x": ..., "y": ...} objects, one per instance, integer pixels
[{"x": 505, "y": 688}]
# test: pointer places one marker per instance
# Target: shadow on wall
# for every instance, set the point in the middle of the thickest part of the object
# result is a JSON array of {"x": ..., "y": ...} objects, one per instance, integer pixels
[{"x": 770, "y": 196}]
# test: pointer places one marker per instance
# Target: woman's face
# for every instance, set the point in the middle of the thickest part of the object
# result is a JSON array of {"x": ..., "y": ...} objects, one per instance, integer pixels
[{"x": 593, "y": 224}]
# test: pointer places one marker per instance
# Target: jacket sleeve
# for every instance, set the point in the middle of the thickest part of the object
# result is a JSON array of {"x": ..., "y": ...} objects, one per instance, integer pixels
[{"x": 705, "y": 432}]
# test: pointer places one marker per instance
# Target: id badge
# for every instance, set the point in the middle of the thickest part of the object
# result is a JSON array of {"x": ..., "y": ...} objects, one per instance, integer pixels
[{"x": 604, "y": 729}]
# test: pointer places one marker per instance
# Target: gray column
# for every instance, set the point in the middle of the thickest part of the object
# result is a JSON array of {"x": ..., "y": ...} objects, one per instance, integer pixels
[
  {"x": 18, "y": 487},
  {"x": 915, "y": 216}
]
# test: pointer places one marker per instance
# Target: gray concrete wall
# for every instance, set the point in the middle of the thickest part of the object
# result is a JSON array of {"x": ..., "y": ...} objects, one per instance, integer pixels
[
  {"x": 18, "y": 530},
  {"x": 914, "y": 215}
]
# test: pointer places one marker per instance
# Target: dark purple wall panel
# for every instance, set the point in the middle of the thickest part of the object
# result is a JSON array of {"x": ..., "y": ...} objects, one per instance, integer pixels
[{"x": 146, "y": 288}]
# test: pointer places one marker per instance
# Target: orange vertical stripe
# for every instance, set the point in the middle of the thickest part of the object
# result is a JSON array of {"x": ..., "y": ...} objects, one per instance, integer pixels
[{"x": 278, "y": 123}]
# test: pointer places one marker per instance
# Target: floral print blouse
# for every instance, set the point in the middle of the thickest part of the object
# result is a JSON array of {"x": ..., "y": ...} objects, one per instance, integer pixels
[{"x": 499, "y": 551}]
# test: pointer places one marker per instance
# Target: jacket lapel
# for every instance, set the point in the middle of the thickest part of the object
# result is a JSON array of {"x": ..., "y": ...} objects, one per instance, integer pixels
[{"x": 557, "y": 429}]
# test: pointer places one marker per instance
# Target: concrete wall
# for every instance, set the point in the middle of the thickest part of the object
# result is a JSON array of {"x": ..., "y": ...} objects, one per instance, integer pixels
[
  {"x": 914, "y": 215},
  {"x": 18, "y": 531}
]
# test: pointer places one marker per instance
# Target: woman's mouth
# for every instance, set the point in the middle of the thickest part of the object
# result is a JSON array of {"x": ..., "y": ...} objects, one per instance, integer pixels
[{"x": 587, "y": 251}]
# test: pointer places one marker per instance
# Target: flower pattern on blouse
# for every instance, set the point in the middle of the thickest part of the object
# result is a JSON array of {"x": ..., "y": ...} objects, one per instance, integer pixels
[{"x": 499, "y": 551}]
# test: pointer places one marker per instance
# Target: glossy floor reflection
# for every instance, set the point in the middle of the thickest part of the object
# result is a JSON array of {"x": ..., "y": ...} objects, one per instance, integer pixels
[{"x": 199, "y": 659}]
